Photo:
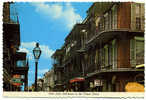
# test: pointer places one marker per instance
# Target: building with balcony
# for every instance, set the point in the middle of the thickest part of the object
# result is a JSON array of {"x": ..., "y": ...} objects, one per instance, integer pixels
[
  {"x": 58, "y": 70},
  {"x": 67, "y": 61},
  {"x": 115, "y": 48},
  {"x": 14, "y": 62},
  {"x": 105, "y": 51},
  {"x": 73, "y": 65},
  {"x": 48, "y": 81}
]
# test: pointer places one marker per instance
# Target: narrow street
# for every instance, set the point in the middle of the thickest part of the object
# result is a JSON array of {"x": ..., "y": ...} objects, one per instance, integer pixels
[{"x": 73, "y": 46}]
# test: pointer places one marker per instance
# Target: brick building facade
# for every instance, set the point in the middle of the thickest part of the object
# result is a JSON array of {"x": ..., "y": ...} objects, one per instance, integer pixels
[{"x": 105, "y": 51}]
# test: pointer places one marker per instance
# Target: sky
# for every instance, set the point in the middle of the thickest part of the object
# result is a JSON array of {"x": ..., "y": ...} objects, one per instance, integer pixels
[{"x": 47, "y": 23}]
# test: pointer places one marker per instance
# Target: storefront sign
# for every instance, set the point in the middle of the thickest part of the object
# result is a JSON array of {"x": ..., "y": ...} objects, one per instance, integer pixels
[
  {"x": 17, "y": 84},
  {"x": 97, "y": 82}
]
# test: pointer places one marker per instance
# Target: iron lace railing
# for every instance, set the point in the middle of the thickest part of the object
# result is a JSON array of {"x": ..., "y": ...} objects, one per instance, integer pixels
[
  {"x": 13, "y": 14},
  {"x": 131, "y": 63}
]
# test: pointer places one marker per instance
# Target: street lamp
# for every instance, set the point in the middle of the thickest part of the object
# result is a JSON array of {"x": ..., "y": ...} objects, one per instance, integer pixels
[{"x": 36, "y": 53}]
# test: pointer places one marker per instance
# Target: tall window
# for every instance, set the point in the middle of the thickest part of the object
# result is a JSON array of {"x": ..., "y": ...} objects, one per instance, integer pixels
[
  {"x": 114, "y": 17},
  {"x": 103, "y": 58},
  {"x": 106, "y": 21},
  {"x": 138, "y": 23},
  {"x": 82, "y": 40},
  {"x": 137, "y": 9},
  {"x": 132, "y": 52},
  {"x": 106, "y": 55},
  {"x": 110, "y": 19},
  {"x": 96, "y": 57},
  {"x": 110, "y": 54},
  {"x": 138, "y": 15},
  {"x": 102, "y": 24},
  {"x": 86, "y": 60},
  {"x": 114, "y": 52},
  {"x": 137, "y": 51}
]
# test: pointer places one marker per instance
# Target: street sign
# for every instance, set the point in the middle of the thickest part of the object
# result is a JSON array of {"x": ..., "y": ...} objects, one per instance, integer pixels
[{"x": 16, "y": 80}]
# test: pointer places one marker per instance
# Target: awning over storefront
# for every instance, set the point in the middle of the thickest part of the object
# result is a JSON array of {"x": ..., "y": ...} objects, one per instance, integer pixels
[
  {"x": 116, "y": 70},
  {"x": 77, "y": 79},
  {"x": 140, "y": 66},
  {"x": 134, "y": 87}
]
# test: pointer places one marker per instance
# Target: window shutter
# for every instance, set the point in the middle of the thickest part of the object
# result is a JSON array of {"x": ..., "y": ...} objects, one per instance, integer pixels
[
  {"x": 132, "y": 53},
  {"x": 139, "y": 52}
]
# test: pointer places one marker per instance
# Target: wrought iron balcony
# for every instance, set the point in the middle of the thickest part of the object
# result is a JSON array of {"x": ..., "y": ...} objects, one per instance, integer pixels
[
  {"x": 13, "y": 14},
  {"x": 56, "y": 63},
  {"x": 21, "y": 66},
  {"x": 136, "y": 25},
  {"x": 11, "y": 27},
  {"x": 130, "y": 66}
]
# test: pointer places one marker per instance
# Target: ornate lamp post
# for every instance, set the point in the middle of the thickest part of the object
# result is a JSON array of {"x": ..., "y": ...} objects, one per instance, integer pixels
[{"x": 37, "y": 53}]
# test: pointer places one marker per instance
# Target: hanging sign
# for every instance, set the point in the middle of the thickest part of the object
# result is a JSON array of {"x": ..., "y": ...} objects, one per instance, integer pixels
[
  {"x": 16, "y": 80},
  {"x": 97, "y": 82}
]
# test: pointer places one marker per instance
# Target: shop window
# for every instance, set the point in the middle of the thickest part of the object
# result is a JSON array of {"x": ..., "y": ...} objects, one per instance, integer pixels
[
  {"x": 107, "y": 85},
  {"x": 104, "y": 88},
  {"x": 113, "y": 87}
]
